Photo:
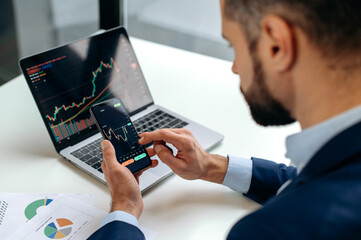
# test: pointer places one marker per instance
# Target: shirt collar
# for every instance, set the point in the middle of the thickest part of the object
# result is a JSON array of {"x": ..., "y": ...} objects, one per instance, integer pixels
[{"x": 301, "y": 147}]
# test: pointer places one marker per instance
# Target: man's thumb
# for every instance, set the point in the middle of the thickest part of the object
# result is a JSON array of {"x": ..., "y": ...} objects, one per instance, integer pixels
[
  {"x": 108, "y": 151},
  {"x": 163, "y": 153}
]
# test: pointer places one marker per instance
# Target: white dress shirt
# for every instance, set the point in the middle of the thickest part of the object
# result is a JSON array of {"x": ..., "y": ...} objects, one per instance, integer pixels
[{"x": 301, "y": 147}]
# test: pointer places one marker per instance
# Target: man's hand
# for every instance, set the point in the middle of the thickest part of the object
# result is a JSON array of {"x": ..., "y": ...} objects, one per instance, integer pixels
[
  {"x": 192, "y": 161},
  {"x": 123, "y": 186}
]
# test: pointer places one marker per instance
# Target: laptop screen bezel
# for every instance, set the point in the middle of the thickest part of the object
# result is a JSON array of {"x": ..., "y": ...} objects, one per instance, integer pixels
[{"x": 28, "y": 61}]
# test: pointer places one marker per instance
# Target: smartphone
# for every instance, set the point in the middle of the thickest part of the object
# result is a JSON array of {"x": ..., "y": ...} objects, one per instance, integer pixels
[{"x": 115, "y": 125}]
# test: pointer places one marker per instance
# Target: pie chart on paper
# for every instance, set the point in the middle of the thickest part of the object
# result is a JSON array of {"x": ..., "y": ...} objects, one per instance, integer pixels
[
  {"x": 58, "y": 229},
  {"x": 30, "y": 210}
]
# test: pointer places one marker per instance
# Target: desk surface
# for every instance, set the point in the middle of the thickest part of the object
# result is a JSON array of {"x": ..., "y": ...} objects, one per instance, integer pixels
[{"x": 196, "y": 86}]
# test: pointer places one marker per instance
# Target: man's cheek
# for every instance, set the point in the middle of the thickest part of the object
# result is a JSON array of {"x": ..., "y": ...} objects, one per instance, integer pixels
[{"x": 245, "y": 82}]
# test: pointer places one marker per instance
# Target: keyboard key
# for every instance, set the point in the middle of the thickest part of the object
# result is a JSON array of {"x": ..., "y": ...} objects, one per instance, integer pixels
[
  {"x": 162, "y": 122},
  {"x": 176, "y": 121},
  {"x": 168, "y": 124},
  {"x": 92, "y": 160},
  {"x": 184, "y": 124},
  {"x": 158, "y": 112},
  {"x": 157, "y": 120},
  {"x": 169, "y": 116},
  {"x": 93, "y": 153},
  {"x": 77, "y": 154},
  {"x": 84, "y": 151},
  {"x": 85, "y": 158},
  {"x": 96, "y": 165}
]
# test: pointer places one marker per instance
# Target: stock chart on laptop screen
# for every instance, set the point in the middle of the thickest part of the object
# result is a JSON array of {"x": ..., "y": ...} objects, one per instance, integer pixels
[{"x": 68, "y": 80}]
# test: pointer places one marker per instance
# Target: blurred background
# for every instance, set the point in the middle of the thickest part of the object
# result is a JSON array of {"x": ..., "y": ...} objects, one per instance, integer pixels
[{"x": 28, "y": 27}]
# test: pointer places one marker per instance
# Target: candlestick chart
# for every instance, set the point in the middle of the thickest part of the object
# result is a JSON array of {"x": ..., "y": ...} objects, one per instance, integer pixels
[
  {"x": 121, "y": 135},
  {"x": 67, "y": 82},
  {"x": 68, "y": 99},
  {"x": 95, "y": 73},
  {"x": 63, "y": 128},
  {"x": 68, "y": 126}
]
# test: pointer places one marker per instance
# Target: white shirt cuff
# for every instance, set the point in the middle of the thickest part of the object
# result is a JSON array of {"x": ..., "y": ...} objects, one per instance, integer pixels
[
  {"x": 239, "y": 174},
  {"x": 119, "y": 216}
]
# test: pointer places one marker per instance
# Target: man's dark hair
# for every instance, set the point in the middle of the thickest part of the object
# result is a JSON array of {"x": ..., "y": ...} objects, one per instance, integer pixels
[{"x": 333, "y": 25}]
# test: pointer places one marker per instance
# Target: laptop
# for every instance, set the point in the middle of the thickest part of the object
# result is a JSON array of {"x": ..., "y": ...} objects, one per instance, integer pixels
[{"x": 66, "y": 81}]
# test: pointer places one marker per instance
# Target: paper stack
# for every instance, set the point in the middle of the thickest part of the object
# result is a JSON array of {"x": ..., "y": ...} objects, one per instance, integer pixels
[{"x": 50, "y": 216}]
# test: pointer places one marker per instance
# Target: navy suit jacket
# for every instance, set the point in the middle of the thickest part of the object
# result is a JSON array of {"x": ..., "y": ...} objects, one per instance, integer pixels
[{"x": 322, "y": 202}]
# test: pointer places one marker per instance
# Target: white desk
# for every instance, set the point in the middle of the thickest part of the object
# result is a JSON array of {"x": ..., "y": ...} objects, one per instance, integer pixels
[{"x": 196, "y": 86}]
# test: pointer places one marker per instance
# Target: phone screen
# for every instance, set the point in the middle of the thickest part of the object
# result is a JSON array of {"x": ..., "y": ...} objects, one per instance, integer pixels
[{"x": 115, "y": 125}]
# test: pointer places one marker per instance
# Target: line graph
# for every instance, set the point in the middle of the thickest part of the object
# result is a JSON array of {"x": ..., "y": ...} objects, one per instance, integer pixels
[
  {"x": 95, "y": 73},
  {"x": 87, "y": 106},
  {"x": 118, "y": 134},
  {"x": 68, "y": 83}
]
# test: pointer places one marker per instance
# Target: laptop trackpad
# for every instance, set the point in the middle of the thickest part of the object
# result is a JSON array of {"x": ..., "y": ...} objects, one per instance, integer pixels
[
  {"x": 147, "y": 179},
  {"x": 161, "y": 170}
]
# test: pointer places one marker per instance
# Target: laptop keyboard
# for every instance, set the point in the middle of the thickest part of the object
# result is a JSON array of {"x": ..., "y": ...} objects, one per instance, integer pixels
[
  {"x": 157, "y": 120},
  {"x": 91, "y": 153}
]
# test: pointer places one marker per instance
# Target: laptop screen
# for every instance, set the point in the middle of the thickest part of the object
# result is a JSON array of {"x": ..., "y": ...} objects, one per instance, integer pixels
[{"x": 68, "y": 80}]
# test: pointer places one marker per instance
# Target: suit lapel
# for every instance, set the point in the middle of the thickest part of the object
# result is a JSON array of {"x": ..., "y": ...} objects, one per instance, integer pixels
[{"x": 332, "y": 155}]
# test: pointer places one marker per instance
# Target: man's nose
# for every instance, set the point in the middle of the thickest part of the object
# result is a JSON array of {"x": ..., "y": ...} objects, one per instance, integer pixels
[{"x": 234, "y": 67}]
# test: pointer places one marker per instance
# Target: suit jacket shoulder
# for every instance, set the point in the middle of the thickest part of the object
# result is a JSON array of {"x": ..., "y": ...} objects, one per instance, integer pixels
[
  {"x": 118, "y": 230},
  {"x": 323, "y": 202},
  {"x": 325, "y": 208}
]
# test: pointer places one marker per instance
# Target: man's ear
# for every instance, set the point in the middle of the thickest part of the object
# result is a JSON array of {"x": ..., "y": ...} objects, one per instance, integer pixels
[{"x": 279, "y": 42}]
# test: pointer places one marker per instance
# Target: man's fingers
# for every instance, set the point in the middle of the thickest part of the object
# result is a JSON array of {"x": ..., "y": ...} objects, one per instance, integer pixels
[
  {"x": 104, "y": 167},
  {"x": 105, "y": 171},
  {"x": 142, "y": 135},
  {"x": 109, "y": 154},
  {"x": 151, "y": 152},
  {"x": 166, "y": 155},
  {"x": 182, "y": 131},
  {"x": 166, "y": 135},
  {"x": 137, "y": 176},
  {"x": 154, "y": 163},
  {"x": 171, "y": 150}
]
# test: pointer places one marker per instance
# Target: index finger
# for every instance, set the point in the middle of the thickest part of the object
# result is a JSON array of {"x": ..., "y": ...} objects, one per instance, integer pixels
[{"x": 165, "y": 135}]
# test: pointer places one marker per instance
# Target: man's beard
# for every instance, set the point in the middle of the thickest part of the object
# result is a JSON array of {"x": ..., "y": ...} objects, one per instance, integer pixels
[{"x": 265, "y": 109}]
